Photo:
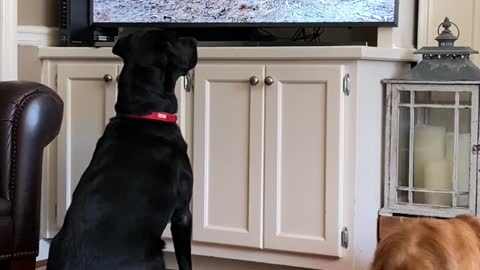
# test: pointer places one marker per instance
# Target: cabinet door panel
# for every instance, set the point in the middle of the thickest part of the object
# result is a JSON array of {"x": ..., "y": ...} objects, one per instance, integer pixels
[
  {"x": 303, "y": 171},
  {"x": 228, "y": 155},
  {"x": 89, "y": 104}
]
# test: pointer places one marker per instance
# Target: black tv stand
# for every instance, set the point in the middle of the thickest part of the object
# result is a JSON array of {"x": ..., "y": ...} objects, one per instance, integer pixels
[
  {"x": 250, "y": 44},
  {"x": 237, "y": 37}
]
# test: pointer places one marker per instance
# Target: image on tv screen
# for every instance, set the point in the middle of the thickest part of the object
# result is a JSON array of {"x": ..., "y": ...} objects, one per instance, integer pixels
[{"x": 243, "y": 11}]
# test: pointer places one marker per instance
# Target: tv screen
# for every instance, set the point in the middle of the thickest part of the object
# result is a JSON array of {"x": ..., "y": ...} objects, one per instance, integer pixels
[{"x": 244, "y": 12}]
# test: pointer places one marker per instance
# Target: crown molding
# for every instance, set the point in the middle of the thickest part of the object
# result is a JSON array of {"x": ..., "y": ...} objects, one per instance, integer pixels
[
  {"x": 8, "y": 44},
  {"x": 38, "y": 36}
]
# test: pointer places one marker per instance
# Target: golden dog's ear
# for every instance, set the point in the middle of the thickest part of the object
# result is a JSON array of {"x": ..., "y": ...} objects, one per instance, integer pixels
[{"x": 122, "y": 46}]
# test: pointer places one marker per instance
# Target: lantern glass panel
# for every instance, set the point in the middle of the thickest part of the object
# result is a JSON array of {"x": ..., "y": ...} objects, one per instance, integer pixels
[
  {"x": 439, "y": 147},
  {"x": 463, "y": 155},
  {"x": 465, "y": 120},
  {"x": 466, "y": 98},
  {"x": 403, "y": 146},
  {"x": 463, "y": 200},
  {"x": 433, "y": 198},
  {"x": 402, "y": 196},
  {"x": 405, "y": 97},
  {"x": 431, "y": 165},
  {"x": 433, "y": 97}
]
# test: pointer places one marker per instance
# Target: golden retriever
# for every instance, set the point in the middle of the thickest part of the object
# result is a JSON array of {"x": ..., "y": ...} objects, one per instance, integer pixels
[{"x": 431, "y": 244}]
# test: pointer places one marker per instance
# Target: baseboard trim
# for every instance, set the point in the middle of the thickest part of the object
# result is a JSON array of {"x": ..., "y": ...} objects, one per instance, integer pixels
[{"x": 38, "y": 36}]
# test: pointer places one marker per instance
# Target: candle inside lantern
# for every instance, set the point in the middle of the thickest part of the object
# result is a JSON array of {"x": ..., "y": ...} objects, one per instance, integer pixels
[
  {"x": 429, "y": 145},
  {"x": 437, "y": 175},
  {"x": 463, "y": 163}
]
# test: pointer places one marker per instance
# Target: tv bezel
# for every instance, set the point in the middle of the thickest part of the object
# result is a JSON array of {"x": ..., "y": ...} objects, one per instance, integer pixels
[{"x": 172, "y": 25}]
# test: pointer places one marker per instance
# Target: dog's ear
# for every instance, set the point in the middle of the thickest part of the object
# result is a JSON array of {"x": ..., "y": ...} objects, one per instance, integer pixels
[
  {"x": 183, "y": 54},
  {"x": 122, "y": 46}
]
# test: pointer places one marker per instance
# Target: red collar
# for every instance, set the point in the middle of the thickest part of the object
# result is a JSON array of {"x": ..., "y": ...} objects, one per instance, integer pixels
[{"x": 156, "y": 116}]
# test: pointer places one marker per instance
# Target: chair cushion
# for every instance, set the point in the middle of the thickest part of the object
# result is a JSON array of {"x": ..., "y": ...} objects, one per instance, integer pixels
[
  {"x": 6, "y": 233},
  {"x": 5, "y": 156},
  {"x": 5, "y": 208}
]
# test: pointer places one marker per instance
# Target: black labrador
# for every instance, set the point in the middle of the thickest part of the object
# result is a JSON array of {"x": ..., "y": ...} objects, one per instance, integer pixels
[{"x": 139, "y": 178}]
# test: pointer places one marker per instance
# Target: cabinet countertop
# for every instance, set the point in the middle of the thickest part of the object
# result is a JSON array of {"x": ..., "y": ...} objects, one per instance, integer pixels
[{"x": 246, "y": 53}]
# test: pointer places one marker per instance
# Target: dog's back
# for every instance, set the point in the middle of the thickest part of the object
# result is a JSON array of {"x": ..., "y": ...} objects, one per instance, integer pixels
[
  {"x": 124, "y": 199},
  {"x": 431, "y": 244}
]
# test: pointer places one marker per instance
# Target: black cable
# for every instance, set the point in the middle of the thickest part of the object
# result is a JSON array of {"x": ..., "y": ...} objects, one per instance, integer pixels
[{"x": 300, "y": 34}]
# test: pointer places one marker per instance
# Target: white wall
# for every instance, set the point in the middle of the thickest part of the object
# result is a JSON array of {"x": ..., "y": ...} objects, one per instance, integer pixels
[
  {"x": 37, "y": 12},
  {"x": 33, "y": 16},
  {"x": 402, "y": 36}
]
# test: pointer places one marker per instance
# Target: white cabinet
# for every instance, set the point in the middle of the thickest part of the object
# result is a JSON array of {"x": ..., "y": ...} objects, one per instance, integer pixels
[
  {"x": 262, "y": 176},
  {"x": 281, "y": 167}
]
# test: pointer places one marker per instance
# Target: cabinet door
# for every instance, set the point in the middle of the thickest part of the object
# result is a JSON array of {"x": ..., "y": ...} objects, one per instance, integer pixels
[
  {"x": 303, "y": 159},
  {"x": 89, "y": 104},
  {"x": 228, "y": 155}
]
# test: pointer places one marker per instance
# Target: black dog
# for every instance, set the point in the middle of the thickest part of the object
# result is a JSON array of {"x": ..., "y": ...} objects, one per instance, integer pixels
[{"x": 140, "y": 177}]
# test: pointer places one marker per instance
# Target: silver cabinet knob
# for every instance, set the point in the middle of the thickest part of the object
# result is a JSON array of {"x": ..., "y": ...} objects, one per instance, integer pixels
[
  {"x": 254, "y": 80},
  {"x": 269, "y": 80},
  {"x": 108, "y": 78}
]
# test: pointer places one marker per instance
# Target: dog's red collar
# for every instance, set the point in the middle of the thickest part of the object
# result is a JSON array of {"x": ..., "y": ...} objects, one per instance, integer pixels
[{"x": 155, "y": 116}]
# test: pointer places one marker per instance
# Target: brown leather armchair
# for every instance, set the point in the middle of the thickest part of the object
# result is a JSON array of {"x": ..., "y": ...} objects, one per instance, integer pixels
[{"x": 30, "y": 118}]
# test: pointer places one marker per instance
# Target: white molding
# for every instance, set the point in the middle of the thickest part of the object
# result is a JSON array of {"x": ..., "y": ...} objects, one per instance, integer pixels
[
  {"x": 424, "y": 9},
  {"x": 8, "y": 42},
  {"x": 43, "y": 249},
  {"x": 401, "y": 36},
  {"x": 38, "y": 36},
  {"x": 252, "y": 53},
  {"x": 476, "y": 31}
]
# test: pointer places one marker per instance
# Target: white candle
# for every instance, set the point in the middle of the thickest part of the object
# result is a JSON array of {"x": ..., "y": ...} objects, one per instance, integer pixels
[
  {"x": 429, "y": 145},
  {"x": 463, "y": 163},
  {"x": 437, "y": 176}
]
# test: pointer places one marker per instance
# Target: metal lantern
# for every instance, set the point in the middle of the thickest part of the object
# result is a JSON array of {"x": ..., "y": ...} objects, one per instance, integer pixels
[{"x": 431, "y": 142}]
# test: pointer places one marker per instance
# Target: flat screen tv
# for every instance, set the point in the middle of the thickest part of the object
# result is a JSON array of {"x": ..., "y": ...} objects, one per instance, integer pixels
[{"x": 244, "y": 13}]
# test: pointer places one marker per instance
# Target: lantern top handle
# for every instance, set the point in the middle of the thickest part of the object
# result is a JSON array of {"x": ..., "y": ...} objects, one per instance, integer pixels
[
  {"x": 446, "y": 38},
  {"x": 445, "y": 62},
  {"x": 446, "y": 44}
]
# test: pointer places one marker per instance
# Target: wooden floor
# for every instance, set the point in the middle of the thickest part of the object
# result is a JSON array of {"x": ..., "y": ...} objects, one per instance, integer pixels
[{"x": 41, "y": 265}]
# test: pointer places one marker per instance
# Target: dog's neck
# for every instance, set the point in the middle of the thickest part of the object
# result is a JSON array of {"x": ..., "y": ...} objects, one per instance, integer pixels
[{"x": 143, "y": 90}]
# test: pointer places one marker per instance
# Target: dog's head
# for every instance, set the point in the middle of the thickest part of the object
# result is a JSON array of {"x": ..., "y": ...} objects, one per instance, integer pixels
[
  {"x": 160, "y": 49},
  {"x": 153, "y": 62}
]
